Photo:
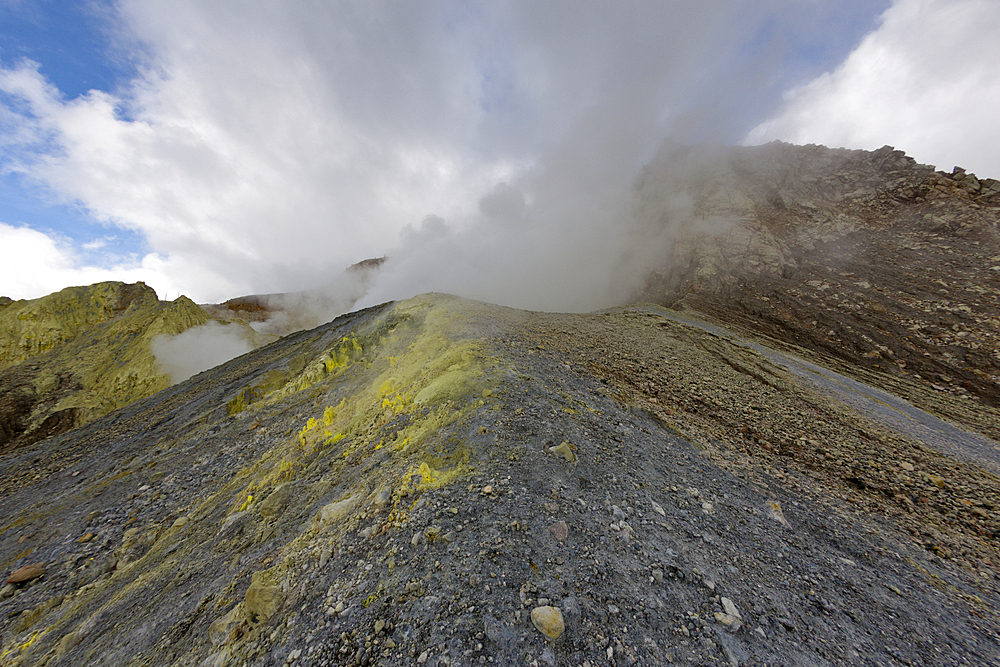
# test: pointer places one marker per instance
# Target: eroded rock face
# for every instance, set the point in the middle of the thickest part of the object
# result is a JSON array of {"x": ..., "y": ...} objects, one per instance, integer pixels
[
  {"x": 73, "y": 356},
  {"x": 862, "y": 256},
  {"x": 32, "y": 327}
]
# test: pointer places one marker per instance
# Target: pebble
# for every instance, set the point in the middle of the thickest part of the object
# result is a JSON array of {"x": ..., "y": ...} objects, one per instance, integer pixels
[
  {"x": 565, "y": 451},
  {"x": 774, "y": 511},
  {"x": 571, "y": 610},
  {"x": 559, "y": 530},
  {"x": 549, "y": 621},
  {"x": 787, "y": 622},
  {"x": 422, "y": 658},
  {"x": 26, "y": 573}
]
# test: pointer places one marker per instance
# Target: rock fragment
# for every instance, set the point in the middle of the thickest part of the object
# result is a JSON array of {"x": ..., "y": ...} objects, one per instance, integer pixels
[
  {"x": 565, "y": 450},
  {"x": 26, "y": 573},
  {"x": 774, "y": 511},
  {"x": 220, "y": 632},
  {"x": 730, "y": 616},
  {"x": 549, "y": 621},
  {"x": 559, "y": 530},
  {"x": 330, "y": 515}
]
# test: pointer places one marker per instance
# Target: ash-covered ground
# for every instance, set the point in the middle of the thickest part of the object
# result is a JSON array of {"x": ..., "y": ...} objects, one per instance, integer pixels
[{"x": 413, "y": 483}]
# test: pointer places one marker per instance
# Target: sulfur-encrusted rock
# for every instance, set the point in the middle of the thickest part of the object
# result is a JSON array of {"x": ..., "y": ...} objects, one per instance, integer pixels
[
  {"x": 549, "y": 621},
  {"x": 221, "y": 630},
  {"x": 334, "y": 512},
  {"x": 263, "y": 598}
]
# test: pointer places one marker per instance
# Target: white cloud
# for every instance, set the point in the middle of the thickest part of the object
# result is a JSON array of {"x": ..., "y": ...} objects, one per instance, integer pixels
[
  {"x": 96, "y": 244},
  {"x": 926, "y": 81},
  {"x": 35, "y": 264},
  {"x": 265, "y": 146}
]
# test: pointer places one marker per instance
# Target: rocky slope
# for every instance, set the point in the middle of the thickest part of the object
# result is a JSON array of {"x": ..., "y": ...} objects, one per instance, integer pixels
[
  {"x": 444, "y": 482},
  {"x": 73, "y": 356},
  {"x": 883, "y": 267}
]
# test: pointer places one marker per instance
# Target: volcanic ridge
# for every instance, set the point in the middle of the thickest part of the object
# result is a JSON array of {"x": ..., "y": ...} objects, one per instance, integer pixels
[{"x": 782, "y": 451}]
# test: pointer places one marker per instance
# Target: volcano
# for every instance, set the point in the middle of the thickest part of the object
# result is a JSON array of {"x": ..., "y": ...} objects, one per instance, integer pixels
[{"x": 782, "y": 451}]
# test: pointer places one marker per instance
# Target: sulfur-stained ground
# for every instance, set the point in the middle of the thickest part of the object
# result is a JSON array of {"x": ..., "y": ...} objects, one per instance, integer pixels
[{"x": 406, "y": 484}]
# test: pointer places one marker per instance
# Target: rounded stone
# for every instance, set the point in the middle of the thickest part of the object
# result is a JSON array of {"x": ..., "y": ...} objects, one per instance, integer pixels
[{"x": 549, "y": 621}]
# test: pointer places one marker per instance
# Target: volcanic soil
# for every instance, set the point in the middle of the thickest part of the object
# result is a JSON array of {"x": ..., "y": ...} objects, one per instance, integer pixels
[{"x": 677, "y": 496}]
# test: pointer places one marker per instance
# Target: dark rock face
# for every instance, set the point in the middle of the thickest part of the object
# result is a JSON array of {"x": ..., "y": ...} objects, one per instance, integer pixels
[
  {"x": 415, "y": 482},
  {"x": 16, "y": 402},
  {"x": 878, "y": 264},
  {"x": 20, "y": 398}
]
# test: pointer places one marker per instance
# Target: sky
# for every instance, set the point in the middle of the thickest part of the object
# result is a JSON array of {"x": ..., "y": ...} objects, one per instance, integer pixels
[{"x": 216, "y": 148}]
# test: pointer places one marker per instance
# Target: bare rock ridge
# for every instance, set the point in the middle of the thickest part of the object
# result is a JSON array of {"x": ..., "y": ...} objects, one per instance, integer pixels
[{"x": 446, "y": 482}]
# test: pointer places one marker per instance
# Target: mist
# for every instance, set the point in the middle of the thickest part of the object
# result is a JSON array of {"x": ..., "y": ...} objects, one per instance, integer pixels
[
  {"x": 294, "y": 311},
  {"x": 199, "y": 348}
]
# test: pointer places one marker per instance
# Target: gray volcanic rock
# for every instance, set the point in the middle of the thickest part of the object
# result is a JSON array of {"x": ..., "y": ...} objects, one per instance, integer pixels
[
  {"x": 874, "y": 263},
  {"x": 393, "y": 488}
]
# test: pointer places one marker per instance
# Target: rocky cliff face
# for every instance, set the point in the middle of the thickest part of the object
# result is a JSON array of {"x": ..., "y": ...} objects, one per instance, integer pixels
[
  {"x": 882, "y": 266},
  {"x": 444, "y": 482},
  {"x": 73, "y": 356}
]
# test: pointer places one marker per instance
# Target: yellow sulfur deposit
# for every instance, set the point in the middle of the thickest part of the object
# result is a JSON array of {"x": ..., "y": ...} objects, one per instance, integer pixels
[{"x": 85, "y": 351}]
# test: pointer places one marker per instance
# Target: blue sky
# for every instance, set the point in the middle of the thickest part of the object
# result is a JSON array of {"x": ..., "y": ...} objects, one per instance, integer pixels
[
  {"x": 75, "y": 48},
  {"x": 216, "y": 148},
  {"x": 72, "y": 41}
]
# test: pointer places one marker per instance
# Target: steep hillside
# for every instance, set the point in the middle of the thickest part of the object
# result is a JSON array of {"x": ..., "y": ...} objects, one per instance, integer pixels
[
  {"x": 73, "y": 356},
  {"x": 445, "y": 482},
  {"x": 881, "y": 266}
]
